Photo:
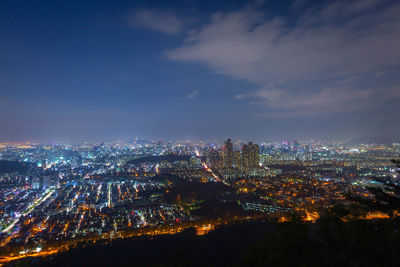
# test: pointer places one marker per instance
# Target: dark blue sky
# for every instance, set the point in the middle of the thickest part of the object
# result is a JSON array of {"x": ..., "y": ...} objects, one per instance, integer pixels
[{"x": 106, "y": 70}]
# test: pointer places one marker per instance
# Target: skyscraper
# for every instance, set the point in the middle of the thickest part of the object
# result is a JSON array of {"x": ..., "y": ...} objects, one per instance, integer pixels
[
  {"x": 237, "y": 159},
  {"x": 228, "y": 154},
  {"x": 250, "y": 156},
  {"x": 254, "y": 155},
  {"x": 245, "y": 157}
]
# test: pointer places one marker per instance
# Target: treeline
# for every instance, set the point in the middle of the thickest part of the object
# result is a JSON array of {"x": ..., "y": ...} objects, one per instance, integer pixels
[
  {"x": 7, "y": 166},
  {"x": 158, "y": 159}
]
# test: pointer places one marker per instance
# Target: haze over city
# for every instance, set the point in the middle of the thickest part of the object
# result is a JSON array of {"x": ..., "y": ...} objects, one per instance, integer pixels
[{"x": 258, "y": 70}]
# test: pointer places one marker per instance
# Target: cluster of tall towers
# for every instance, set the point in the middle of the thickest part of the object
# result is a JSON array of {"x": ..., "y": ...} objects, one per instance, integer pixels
[{"x": 248, "y": 157}]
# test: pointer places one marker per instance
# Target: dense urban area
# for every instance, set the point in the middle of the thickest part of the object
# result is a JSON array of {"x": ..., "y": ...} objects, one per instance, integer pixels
[{"x": 54, "y": 196}]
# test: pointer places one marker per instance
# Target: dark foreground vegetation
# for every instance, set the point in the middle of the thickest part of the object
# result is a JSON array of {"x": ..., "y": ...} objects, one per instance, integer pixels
[
  {"x": 158, "y": 159},
  {"x": 329, "y": 242}
]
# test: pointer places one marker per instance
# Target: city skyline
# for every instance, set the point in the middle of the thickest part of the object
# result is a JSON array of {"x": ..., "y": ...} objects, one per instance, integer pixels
[
  {"x": 58, "y": 199},
  {"x": 199, "y": 133},
  {"x": 261, "y": 70}
]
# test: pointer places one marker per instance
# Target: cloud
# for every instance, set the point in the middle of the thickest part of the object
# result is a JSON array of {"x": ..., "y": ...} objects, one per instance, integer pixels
[
  {"x": 156, "y": 20},
  {"x": 334, "y": 11},
  {"x": 193, "y": 94},
  {"x": 283, "y": 103},
  {"x": 299, "y": 67}
]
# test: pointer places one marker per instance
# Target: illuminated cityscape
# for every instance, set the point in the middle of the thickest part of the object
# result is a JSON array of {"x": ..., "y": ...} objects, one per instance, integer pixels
[
  {"x": 55, "y": 195},
  {"x": 200, "y": 133}
]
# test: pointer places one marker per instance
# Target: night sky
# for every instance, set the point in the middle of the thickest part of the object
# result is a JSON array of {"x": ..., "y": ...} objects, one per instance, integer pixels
[{"x": 261, "y": 70}]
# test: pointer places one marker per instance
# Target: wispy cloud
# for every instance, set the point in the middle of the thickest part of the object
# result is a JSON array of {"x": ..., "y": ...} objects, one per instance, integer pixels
[
  {"x": 193, "y": 94},
  {"x": 328, "y": 42},
  {"x": 283, "y": 103},
  {"x": 156, "y": 20}
]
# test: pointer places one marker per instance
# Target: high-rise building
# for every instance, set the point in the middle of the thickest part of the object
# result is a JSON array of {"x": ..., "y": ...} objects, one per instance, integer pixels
[
  {"x": 245, "y": 157},
  {"x": 250, "y": 156},
  {"x": 237, "y": 159},
  {"x": 228, "y": 154},
  {"x": 254, "y": 155}
]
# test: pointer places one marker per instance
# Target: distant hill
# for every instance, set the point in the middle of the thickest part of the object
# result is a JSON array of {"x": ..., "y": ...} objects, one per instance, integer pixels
[
  {"x": 374, "y": 140},
  {"x": 7, "y": 166},
  {"x": 158, "y": 159}
]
